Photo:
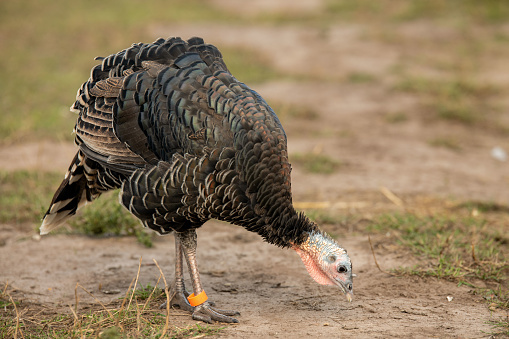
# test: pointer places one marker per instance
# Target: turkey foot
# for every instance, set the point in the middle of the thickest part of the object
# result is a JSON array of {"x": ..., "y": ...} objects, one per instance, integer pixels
[
  {"x": 206, "y": 313},
  {"x": 179, "y": 299},
  {"x": 203, "y": 310}
]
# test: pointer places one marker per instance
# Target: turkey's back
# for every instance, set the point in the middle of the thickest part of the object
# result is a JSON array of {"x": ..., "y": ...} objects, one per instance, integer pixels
[{"x": 150, "y": 101}]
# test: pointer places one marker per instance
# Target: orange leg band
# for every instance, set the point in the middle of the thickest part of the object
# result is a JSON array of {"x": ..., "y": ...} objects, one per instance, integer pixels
[{"x": 197, "y": 300}]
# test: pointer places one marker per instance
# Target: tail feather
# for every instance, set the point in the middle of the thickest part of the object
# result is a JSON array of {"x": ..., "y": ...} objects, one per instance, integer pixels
[{"x": 72, "y": 194}]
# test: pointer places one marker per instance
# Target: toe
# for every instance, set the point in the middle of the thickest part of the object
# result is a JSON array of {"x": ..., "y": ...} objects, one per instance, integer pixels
[
  {"x": 202, "y": 317},
  {"x": 225, "y": 312},
  {"x": 206, "y": 313}
]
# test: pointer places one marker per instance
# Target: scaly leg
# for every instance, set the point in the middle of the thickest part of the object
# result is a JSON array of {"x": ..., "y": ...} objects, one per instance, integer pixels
[
  {"x": 178, "y": 289},
  {"x": 204, "y": 312}
]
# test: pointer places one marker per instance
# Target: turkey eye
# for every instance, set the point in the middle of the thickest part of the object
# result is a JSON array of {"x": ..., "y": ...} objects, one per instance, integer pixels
[{"x": 342, "y": 269}]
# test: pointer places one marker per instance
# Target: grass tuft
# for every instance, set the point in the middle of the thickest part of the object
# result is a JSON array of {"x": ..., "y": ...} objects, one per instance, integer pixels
[
  {"x": 26, "y": 195},
  {"x": 288, "y": 112},
  {"x": 249, "y": 66},
  {"x": 107, "y": 217},
  {"x": 460, "y": 248},
  {"x": 361, "y": 78},
  {"x": 497, "y": 298},
  {"x": 446, "y": 142},
  {"x": 316, "y": 163},
  {"x": 455, "y": 100},
  {"x": 396, "y": 117},
  {"x": 491, "y": 12},
  {"x": 144, "y": 293},
  {"x": 323, "y": 217},
  {"x": 483, "y": 206}
]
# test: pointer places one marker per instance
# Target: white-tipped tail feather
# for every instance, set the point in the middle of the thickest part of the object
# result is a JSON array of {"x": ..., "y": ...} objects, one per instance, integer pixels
[
  {"x": 58, "y": 214},
  {"x": 69, "y": 197}
]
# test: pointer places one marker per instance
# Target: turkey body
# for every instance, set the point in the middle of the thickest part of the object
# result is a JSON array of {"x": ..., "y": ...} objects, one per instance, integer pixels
[{"x": 185, "y": 142}]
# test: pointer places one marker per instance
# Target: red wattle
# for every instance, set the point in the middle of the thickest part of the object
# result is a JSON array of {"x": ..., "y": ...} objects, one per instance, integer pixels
[{"x": 313, "y": 269}]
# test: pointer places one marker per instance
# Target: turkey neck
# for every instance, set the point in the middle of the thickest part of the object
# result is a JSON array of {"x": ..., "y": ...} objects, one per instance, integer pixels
[{"x": 261, "y": 161}]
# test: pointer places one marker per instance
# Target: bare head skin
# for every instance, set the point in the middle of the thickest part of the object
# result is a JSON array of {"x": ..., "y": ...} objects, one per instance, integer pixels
[{"x": 327, "y": 262}]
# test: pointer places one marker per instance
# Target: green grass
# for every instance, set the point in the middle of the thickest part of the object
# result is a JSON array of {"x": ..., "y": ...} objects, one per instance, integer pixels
[
  {"x": 26, "y": 195},
  {"x": 446, "y": 142},
  {"x": 497, "y": 298},
  {"x": 484, "y": 12},
  {"x": 145, "y": 292},
  {"x": 315, "y": 163},
  {"x": 249, "y": 66},
  {"x": 107, "y": 217},
  {"x": 455, "y": 100},
  {"x": 490, "y": 11},
  {"x": 323, "y": 217},
  {"x": 50, "y": 58},
  {"x": 288, "y": 112},
  {"x": 483, "y": 206},
  {"x": 459, "y": 247},
  {"x": 465, "y": 245},
  {"x": 361, "y": 78},
  {"x": 396, "y": 117}
]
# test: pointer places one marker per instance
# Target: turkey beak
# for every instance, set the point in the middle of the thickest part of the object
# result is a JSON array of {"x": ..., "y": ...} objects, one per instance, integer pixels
[
  {"x": 346, "y": 288},
  {"x": 349, "y": 296}
]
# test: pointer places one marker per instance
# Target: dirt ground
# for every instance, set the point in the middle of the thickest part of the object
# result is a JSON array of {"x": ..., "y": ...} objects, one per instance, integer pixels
[{"x": 270, "y": 286}]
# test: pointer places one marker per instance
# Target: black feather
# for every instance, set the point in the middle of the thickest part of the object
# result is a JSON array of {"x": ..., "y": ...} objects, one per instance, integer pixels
[{"x": 185, "y": 140}]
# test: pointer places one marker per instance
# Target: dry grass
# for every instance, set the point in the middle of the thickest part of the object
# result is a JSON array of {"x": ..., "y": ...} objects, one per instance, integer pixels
[{"x": 137, "y": 315}]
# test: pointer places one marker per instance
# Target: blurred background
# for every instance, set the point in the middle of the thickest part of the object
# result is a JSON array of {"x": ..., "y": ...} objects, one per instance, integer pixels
[
  {"x": 396, "y": 113},
  {"x": 408, "y": 95}
]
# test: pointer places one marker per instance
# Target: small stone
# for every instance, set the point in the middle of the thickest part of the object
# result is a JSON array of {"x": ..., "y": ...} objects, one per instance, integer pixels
[
  {"x": 499, "y": 153},
  {"x": 449, "y": 298}
]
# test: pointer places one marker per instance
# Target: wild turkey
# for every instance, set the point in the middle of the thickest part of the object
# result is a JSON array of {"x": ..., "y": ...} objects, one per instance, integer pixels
[{"x": 185, "y": 142}]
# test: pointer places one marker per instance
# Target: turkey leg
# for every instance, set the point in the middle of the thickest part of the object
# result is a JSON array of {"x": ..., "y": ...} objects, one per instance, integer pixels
[
  {"x": 204, "y": 312},
  {"x": 178, "y": 289}
]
